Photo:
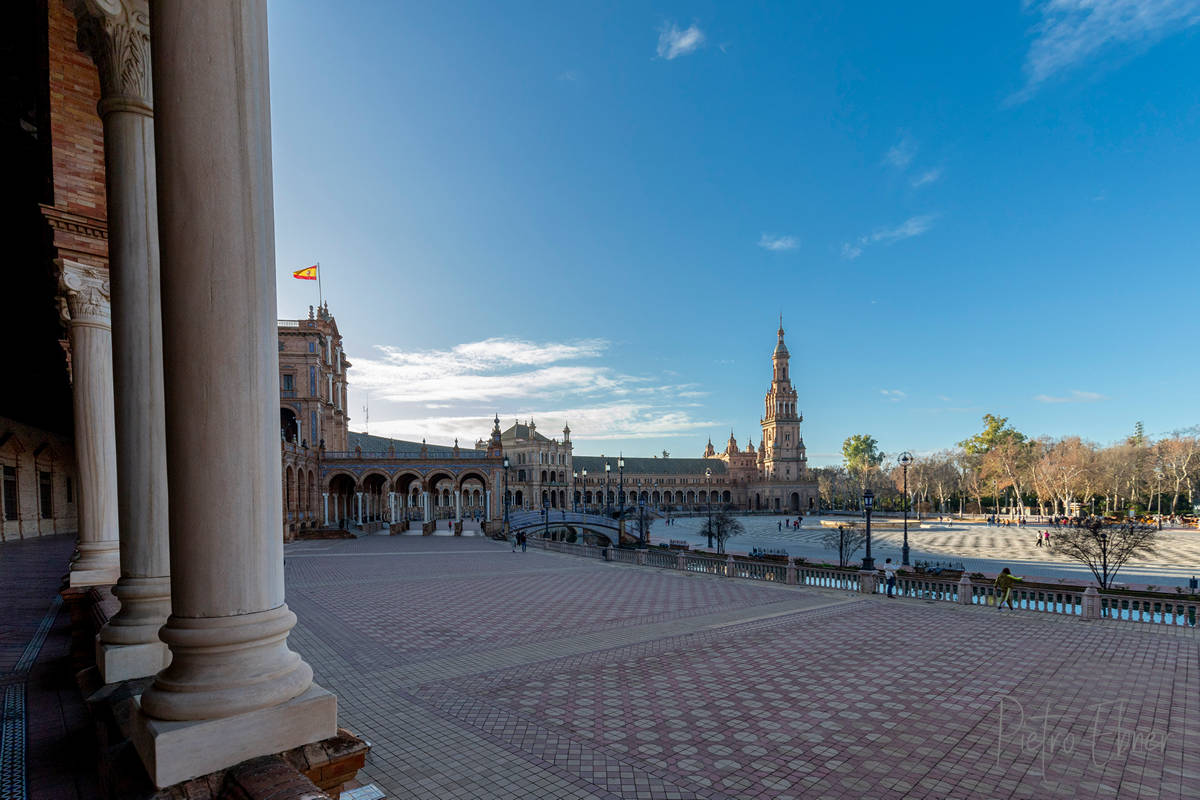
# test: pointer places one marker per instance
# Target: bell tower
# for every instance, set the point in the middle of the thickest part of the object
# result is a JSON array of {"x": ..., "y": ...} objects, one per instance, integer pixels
[{"x": 782, "y": 451}]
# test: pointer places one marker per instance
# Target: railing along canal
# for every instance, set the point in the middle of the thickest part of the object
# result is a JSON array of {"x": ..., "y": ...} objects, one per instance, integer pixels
[{"x": 1065, "y": 601}]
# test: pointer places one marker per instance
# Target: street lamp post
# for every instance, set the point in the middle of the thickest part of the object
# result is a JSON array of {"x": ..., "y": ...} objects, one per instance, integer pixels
[
  {"x": 905, "y": 459},
  {"x": 506, "y": 496},
  {"x": 607, "y": 504},
  {"x": 868, "y": 502},
  {"x": 575, "y": 490},
  {"x": 585, "y": 508},
  {"x": 707, "y": 477},
  {"x": 546, "y": 517},
  {"x": 641, "y": 521},
  {"x": 621, "y": 484}
]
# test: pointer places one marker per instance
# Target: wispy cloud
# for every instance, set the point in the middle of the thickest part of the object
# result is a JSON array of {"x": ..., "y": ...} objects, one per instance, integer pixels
[
  {"x": 569, "y": 76},
  {"x": 913, "y": 226},
  {"x": 673, "y": 42},
  {"x": 1070, "y": 32},
  {"x": 1075, "y": 397},
  {"x": 440, "y": 394},
  {"x": 776, "y": 243},
  {"x": 901, "y": 154},
  {"x": 927, "y": 177},
  {"x": 894, "y": 395}
]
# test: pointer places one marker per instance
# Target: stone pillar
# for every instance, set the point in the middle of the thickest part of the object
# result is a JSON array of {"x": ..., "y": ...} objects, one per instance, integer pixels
[
  {"x": 325, "y": 501},
  {"x": 425, "y": 506},
  {"x": 117, "y": 34},
  {"x": 457, "y": 505},
  {"x": 391, "y": 506},
  {"x": 358, "y": 514},
  {"x": 487, "y": 504},
  {"x": 1091, "y": 603},
  {"x": 87, "y": 313},
  {"x": 234, "y": 690},
  {"x": 790, "y": 576},
  {"x": 965, "y": 590}
]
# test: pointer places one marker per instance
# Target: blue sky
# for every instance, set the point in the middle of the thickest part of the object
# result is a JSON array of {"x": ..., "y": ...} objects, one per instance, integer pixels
[{"x": 597, "y": 211}]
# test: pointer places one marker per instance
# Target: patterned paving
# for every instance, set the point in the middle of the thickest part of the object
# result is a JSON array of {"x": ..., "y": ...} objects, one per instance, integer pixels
[{"x": 479, "y": 673}]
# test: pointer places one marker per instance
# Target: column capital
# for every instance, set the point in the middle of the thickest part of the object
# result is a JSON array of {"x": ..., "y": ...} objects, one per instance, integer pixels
[
  {"x": 85, "y": 296},
  {"x": 116, "y": 34}
]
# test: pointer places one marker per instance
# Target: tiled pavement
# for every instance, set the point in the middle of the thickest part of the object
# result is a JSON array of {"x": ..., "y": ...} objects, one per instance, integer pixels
[
  {"x": 479, "y": 673},
  {"x": 46, "y": 749}
]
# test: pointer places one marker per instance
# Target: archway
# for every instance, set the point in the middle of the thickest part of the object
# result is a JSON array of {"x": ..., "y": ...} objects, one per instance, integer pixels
[
  {"x": 519, "y": 499},
  {"x": 726, "y": 497},
  {"x": 795, "y": 501},
  {"x": 440, "y": 486},
  {"x": 407, "y": 486},
  {"x": 373, "y": 496},
  {"x": 289, "y": 428},
  {"x": 341, "y": 500}
]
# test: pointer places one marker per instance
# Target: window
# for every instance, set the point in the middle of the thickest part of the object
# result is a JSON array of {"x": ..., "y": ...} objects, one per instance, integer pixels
[
  {"x": 10, "y": 493},
  {"x": 289, "y": 383},
  {"x": 312, "y": 380},
  {"x": 46, "y": 487},
  {"x": 312, "y": 429},
  {"x": 312, "y": 347}
]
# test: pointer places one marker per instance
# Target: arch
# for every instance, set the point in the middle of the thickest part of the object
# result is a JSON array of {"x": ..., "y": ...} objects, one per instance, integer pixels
[
  {"x": 519, "y": 499},
  {"x": 776, "y": 503},
  {"x": 373, "y": 486},
  {"x": 810, "y": 502},
  {"x": 473, "y": 474},
  {"x": 544, "y": 476},
  {"x": 679, "y": 496},
  {"x": 288, "y": 494},
  {"x": 757, "y": 502},
  {"x": 521, "y": 476},
  {"x": 703, "y": 497},
  {"x": 655, "y": 497},
  {"x": 562, "y": 498},
  {"x": 342, "y": 488},
  {"x": 402, "y": 482},
  {"x": 288, "y": 427},
  {"x": 794, "y": 503},
  {"x": 726, "y": 496},
  {"x": 437, "y": 476},
  {"x": 691, "y": 497}
]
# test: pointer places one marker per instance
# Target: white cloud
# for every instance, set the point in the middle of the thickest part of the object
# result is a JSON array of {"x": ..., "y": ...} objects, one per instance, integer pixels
[
  {"x": 894, "y": 395},
  {"x": 777, "y": 243},
  {"x": 673, "y": 42},
  {"x": 569, "y": 76},
  {"x": 927, "y": 177},
  {"x": 901, "y": 154},
  {"x": 440, "y": 394},
  {"x": 1075, "y": 397},
  {"x": 913, "y": 226},
  {"x": 1072, "y": 31}
]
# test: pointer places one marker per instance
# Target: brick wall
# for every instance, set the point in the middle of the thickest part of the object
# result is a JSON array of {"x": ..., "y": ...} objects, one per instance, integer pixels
[{"x": 32, "y": 451}]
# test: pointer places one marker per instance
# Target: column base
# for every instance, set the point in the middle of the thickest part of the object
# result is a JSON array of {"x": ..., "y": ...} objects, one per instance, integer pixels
[
  {"x": 123, "y": 662},
  {"x": 96, "y": 576},
  {"x": 176, "y": 751}
]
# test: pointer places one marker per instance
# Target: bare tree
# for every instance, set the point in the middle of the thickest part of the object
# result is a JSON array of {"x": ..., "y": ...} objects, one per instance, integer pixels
[
  {"x": 1104, "y": 548},
  {"x": 846, "y": 540},
  {"x": 722, "y": 526}
]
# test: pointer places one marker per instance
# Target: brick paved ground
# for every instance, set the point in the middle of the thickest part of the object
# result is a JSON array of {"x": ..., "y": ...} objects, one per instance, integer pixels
[
  {"x": 479, "y": 673},
  {"x": 46, "y": 746}
]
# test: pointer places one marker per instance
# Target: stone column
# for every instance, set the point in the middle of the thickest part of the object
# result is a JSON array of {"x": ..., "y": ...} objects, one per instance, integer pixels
[
  {"x": 117, "y": 35},
  {"x": 425, "y": 506},
  {"x": 457, "y": 505},
  {"x": 234, "y": 690},
  {"x": 487, "y": 504},
  {"x": 358, "y": 507},
  {"x": 86, "y": 310},
  {"x": 325, "y": 500}
]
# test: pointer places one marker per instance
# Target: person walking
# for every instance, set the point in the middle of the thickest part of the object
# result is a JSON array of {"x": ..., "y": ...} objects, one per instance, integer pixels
[
  {"x": 1004, "y": 586},
  {"x": 513, "y": 541},
  {"x": 1039, "y": 538},
  {"x": 524, "y": 540},
  {"x": 889, "y": 572},
  {"x": 1047, "y": 536}
]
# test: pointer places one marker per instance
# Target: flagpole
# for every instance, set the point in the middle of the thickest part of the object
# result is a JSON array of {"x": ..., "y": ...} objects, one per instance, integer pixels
[{"x": 320, "y": 290}]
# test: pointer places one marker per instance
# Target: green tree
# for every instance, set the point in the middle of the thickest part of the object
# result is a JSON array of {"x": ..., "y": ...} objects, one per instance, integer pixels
[
  {"x": 861, "y": 454},
  {"x": 996, "y": 432}
]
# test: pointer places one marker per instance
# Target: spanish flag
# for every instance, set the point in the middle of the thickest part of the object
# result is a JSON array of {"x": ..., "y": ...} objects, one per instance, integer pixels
[{"x": 306, "y": 274}]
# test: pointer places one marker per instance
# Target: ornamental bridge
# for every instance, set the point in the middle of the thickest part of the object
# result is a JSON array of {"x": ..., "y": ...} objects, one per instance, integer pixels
[{"x": 569, "y": 526}]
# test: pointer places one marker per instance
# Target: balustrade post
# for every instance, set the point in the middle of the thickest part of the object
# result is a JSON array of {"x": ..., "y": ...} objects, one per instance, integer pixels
[
  {"x": 965, "y": 590},
  {"x": 868, "y": 581},
  {"x": 791, "y": 573},
  {"x": 1091, "y": 603},
  {"x": 680, "y": 561},
  {"x": 641, "y": 558},
  {"x": 729, "y": 566}
]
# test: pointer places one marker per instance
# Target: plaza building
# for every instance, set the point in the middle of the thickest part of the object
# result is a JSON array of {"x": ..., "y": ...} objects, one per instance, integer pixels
[{"x": 545, "y": 472}]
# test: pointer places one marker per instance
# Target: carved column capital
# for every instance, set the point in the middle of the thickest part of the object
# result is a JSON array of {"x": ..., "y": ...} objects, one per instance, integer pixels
[
  {"x": 116, "y": 34},
  {"x": 85, "y": 295}
]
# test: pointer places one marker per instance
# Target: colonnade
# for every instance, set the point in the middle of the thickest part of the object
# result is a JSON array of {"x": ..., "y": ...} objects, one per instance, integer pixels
[{"x": 205, "y": 433}]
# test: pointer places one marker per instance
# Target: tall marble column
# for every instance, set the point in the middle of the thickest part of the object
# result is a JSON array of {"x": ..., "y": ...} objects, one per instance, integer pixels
[
  {"x": 88, "y": 315},
  {"x": 233, "y": 690},
  {"x": 117, "y": 35}
]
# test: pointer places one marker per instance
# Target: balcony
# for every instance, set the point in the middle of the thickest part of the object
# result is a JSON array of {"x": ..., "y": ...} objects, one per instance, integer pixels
[{"x": 287, "y": 392}]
